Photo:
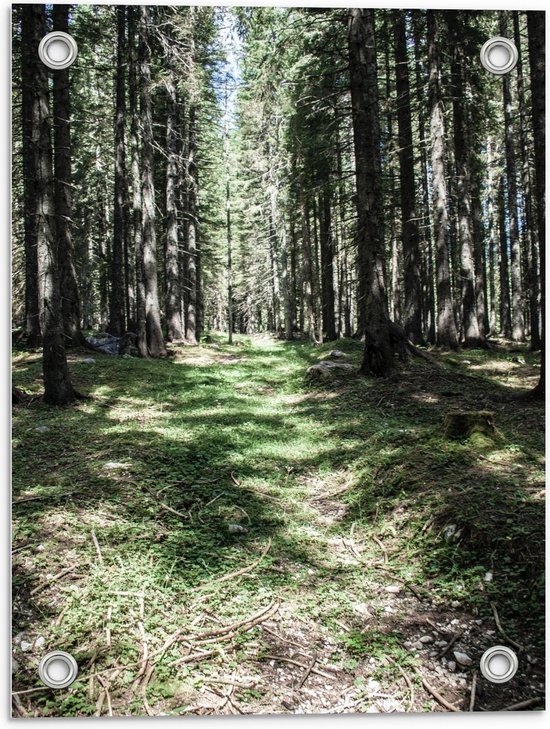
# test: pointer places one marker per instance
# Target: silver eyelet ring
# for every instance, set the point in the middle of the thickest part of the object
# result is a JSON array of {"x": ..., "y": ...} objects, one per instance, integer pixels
[
  {"x": 499, "y": 664},
  {"x": 58, "y": 669},
  {"x": 58, "y": 50},
  {"x": 499, "y": 55}
]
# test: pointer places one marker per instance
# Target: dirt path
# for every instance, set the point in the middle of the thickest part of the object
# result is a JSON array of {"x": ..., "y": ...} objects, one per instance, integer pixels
[{"x": 232, "y": 569}]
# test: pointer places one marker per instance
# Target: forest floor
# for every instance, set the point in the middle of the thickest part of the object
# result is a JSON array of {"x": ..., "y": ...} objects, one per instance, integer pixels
[{"x": 211, "y": 534}]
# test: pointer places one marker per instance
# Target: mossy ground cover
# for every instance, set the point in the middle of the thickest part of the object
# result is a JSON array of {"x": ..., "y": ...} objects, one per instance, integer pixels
[{"x": 156, "y": 498}]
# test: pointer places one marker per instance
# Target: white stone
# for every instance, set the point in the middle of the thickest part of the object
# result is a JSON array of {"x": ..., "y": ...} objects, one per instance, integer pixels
[
  {"x": 40, "y": 642},
  {"x": 462, "y": 658},
  {"x": 25, "y": 646},
  {"x": 451, "y": 665},
  {"x": 88, "y": 360},
  {"x": 426, "y": 639},
  {"x": 395, "y": 589}
]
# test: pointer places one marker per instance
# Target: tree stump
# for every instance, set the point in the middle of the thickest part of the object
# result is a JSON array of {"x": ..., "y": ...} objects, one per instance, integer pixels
[{"x": 462, "y": 424}]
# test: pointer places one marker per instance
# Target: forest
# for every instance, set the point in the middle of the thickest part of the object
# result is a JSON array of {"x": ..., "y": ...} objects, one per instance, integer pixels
[{"x": 278, "y": 359}]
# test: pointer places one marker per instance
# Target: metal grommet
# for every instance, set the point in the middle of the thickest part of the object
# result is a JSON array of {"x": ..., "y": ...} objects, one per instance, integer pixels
[
  {"x": 499, "y": 664},
  {"x": 58, "y": 669},
  {"x": 499, "y": 55},
  {"x": 58, "y": 50}
]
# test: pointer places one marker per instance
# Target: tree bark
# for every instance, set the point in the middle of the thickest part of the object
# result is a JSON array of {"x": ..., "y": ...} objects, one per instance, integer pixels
[
  {"x": 536, "y": 33},
  {"x": 173, "y": 148},
  {"x": 527, "y": 191},
  {"x": 155, "y": 339},
  {"x": 378, "y": 354},
  {"x": 58, "y": 389},
  {"x": 446, "y": 333},
  {"x": 518, "y": 323},
  {"x": 463, "y": 164},
  {"x": 29, "y": 61},
  {"x": 137, "y": 228},
  {"x": 412, "y": 315},
  {"x": 327, "y": 266},
  {"x": 117, "y": 289},
  {"x": 70, "y": 296},
  {"x": 505, "y": 311},
  {"x": 191, "y": 334}
]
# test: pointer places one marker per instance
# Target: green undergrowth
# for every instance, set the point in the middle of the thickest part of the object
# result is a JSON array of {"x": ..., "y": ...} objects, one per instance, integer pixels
[{"x": 234, "y": 440}]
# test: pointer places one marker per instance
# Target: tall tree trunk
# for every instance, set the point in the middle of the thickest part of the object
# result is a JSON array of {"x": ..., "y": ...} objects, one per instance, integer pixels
[
  {"x": 505, "y": 309},
  {"x": 137, "y": 228},
  {"x": 155, "y": 340},
  {"x": 117, "y": 289},
  {"x": 492, "y": 239},
  {"x": 172, "y": 259},
  {"x": 191, "y": 335},
  {"x": 463, "y": 163},
  {"x": 378, "y": 354},
  {"x": 327, "y": 266},
  {"x": 307, "y": 269},
  {"x": 536, "y": 32},
  {"x": 518, "y": 323},
  {"x": 70, "y": 297},
  {"x": 412, "y": 319},
  {"x": 58, "y": 389},
  {"x": 29, "y": 62},
  {"x": 419, "y": 21},
  {"x": 527, "y": 191},
  {"x": 446, "y": 325}
]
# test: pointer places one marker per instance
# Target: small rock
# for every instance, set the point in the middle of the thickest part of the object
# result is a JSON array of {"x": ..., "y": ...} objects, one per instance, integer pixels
[
  {"x": 14, "y": 665},
  {"x": 451, "y": 665},
  {"x": 462, "y": 658},
  {"x": 40, "y": 642},
  {"x": 372, "y": 710},
  {"x": 455, "y": 604},
  {"x": 88, "y": 360},
  {"x": 40, "y": 548},
  {"x": 426, "y": 639},
  {"x": 388, "y": 609},
  {"x": 337, "y": 354},
  {"x": 395, "y": 589},
  {"x": 42, "y": 428},
  {"x": 488, "y": 577},
  {"x": 440, "y": 643},
  {"x": 418, "y": 645},
  {"x": 236, "y": 529},
  {"x": 25, "y": 646},
  {"x": 19, "y": 637}
]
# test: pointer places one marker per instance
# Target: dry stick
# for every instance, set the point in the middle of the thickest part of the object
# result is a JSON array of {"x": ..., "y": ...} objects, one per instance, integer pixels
[
  {"x": 108, "y": 626},
  {"x": 18, "y": 704},
  {"x": 437, "y": 696},
  {"x": 384, "y": 550},
  {"x": 193, "y": 657},
  {"x": 58, "y": 576},
  {"x": 523, "y": 704},
  {"x": 448, "y": 647},
  {"x": 173, "y": 511},
  {"x": 105, "y": 686},
  {"x": 284, "y": 659},
  {"x": 473, "y": 691},
  {"x": 407, "y": 680},
  {"x": 284, "y": 640},
  {"x": 144, "y": 690},
  {"x": 308, "y": 671},
  {"x": 97, "y": 547},
  {"x": 99, "y": 703},
  {"x": 502, "y": 631},
  {"x": 404, "y": 582},
  {"x": 244, "y": 570}
]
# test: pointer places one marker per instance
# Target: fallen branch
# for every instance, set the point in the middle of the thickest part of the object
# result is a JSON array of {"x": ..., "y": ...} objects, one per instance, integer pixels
[
  {"x": 97, "y": 548},
  {"x": 523, "y": 704},
  {"x": 502, "y": 631},
  {"x": 244, "y": 570},
  {"x": 449, "y": 645},
  {"x": 436, "y": 695},
  {"x": 407, "y": 680},
  {"x": 56, "y": 577},
  {"x": 473, "y": 691},
  {"x": 384, "y": 550},
  {"x": 308, "y": 671},
  {"x": 193, "y": 657}
]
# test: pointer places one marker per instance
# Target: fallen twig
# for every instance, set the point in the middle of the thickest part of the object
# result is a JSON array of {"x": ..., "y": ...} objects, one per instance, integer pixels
[
  {"x": 146, "y": 680},
  {"x": 473, "y": 691},
  {"x": 384, "y": 550},
  {"x": 193, "y": 657},
  {"x": 523, "y": 704},
  {"x": 97, "y": 548},
  {"x": 501, "y": 629},
  {"x": 449, "y": 645},
  {"x": 308, "y": 671},
  {"x": 437, "y": 696},
  {"x": 58, "y": 576},
  {"x": 284, "y": 659},
  {"x": 108, "y": 626},
  {"x": 407, "y": 680},
  {"x": 244, "y": 570}
]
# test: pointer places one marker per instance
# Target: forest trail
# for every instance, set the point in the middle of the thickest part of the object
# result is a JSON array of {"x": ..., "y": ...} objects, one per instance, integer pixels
[{"x": 212, "y": 535}]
